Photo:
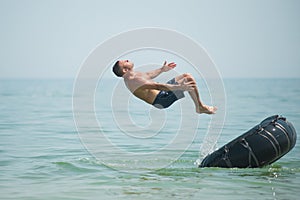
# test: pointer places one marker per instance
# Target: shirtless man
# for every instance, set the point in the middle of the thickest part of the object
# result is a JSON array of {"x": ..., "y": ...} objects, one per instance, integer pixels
[{"x": 160, "y": 95}]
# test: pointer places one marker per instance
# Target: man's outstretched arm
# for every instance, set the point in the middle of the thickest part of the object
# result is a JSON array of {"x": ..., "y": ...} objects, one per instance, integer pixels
[
  {"x": 184, "y": 86},
  {"x": 166, "y": 67}
]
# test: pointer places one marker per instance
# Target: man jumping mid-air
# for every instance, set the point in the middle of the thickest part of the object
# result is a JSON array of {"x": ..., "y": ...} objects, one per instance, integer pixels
[{"x": 160, "y": 95}]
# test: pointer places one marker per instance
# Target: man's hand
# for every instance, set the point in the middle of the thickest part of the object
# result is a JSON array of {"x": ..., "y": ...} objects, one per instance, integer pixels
[
  {"x": 187, "y": 86},
  {"x": 168, "y": 66}
]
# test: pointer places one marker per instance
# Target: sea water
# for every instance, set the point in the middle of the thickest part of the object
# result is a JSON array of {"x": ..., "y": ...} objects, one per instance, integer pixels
[{"x": 42, "y": 156}]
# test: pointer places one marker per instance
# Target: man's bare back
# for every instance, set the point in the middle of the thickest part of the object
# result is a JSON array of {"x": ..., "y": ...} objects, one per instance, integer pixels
[{"x": 141, "y": 84}]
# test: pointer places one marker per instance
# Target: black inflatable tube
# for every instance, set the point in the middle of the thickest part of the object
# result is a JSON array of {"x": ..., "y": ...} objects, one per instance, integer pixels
[{"x": 262, "y": 145}]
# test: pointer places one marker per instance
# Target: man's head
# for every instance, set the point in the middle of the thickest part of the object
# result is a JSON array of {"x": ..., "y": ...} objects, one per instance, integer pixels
[{"x": 121, "y": 67}]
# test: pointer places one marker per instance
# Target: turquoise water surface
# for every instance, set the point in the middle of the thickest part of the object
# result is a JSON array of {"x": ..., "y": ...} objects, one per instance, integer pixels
[{"x": 43, "y": 157}]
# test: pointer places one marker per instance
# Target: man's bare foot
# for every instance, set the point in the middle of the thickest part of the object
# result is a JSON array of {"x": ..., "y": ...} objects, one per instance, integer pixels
[{"x": 207, "y": 109}]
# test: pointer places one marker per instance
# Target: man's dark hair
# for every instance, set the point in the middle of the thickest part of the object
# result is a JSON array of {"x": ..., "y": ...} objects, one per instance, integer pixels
[{"x": 117, "y": 69}]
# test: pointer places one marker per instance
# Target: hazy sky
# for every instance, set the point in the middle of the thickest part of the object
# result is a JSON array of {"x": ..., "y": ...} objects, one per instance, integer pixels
[{"x": 245, "y": 38}]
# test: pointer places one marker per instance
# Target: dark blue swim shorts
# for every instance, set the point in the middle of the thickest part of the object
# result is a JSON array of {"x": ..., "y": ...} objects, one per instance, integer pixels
[{"x": 166, "y": 98}]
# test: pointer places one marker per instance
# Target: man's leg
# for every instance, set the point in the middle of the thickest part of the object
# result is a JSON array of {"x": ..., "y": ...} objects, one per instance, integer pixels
[{"x": 200, "y": 107}]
